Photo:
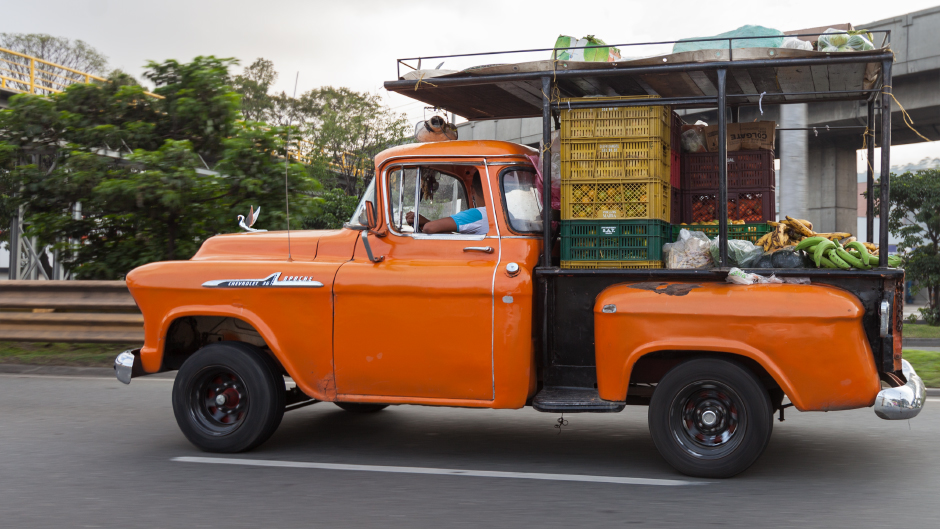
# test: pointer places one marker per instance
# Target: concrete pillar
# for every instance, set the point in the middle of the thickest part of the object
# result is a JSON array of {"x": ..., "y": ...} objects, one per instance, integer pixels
[
  {"x": 832, "y": 200},
  {"x": 793, "y": 177}
]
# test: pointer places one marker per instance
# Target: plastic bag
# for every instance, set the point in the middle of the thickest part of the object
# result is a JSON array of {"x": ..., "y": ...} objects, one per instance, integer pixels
[
  {"x": 794, "y": 43},
  {"x": 690, "y": 251},
  {"x": 693, "y": 137},
  {"x": 572, "y": 49},
  {"x": 740, "y": 277},
  {"x": 740, "y": 252},
  {"x": 836, "y": 40},
  {"x": 774, "y": 39}
]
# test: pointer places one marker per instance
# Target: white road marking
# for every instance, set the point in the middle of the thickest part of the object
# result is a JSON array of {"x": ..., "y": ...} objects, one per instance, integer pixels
[{"x": 436, "y": 471}]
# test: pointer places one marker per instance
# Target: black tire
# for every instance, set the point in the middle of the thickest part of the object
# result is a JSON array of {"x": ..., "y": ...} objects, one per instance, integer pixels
[
  {"x": 251, "y": 396},
  {"x": 710, "y": 418},
  {"x": 361, "y": 407}
]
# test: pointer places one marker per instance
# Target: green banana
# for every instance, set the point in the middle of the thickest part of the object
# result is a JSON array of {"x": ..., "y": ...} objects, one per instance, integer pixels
[
  {"x": 826, "y": 263},
  {"x": 808, "y": 242},
  {"x": 833, "y": 255},
  {"x": 894, "y": 261},
  {"x": 821, "y": 249},
  {"x": 851, "y": 259},
  {"x": 861, "y": 250}
]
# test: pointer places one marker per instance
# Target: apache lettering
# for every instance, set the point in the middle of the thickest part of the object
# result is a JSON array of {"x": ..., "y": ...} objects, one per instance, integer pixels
[{"x": 273, "y": 280}]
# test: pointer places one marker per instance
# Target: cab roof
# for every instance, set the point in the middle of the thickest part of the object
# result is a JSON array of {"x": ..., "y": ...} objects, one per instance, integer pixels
[{"x": 456, "y": 148}]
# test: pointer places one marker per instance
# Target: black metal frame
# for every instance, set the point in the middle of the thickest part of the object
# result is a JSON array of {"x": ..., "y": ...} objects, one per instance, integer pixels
[{"x": 869, "y": 286}]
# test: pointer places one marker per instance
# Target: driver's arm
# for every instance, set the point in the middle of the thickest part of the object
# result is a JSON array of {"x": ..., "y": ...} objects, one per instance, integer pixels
[{"x": 445, "y": 225}]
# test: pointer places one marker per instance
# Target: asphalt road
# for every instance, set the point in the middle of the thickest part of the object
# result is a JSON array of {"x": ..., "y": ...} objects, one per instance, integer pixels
[{"x": 90, "y": 452}]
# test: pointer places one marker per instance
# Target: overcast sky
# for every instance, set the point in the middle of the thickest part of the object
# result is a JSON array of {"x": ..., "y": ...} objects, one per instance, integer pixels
[{"x": 355, "y": 43}]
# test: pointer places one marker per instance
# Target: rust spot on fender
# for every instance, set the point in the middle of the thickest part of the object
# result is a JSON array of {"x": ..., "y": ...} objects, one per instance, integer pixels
[{"x": 671, "y": 289}]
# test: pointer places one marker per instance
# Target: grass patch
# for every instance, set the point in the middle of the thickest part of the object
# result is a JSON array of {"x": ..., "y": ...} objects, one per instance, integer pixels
[
  {"x": 921, "y": 331},
  {"x": 927, "y": 365},
  {"x": 61, "y": 354}
]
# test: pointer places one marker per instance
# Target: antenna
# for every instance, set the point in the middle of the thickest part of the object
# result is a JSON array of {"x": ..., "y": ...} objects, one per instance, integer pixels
[{"x": 290, "y": 117}]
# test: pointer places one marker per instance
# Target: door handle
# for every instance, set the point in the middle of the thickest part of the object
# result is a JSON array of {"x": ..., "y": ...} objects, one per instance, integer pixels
[{"x": 484, "y": 249}]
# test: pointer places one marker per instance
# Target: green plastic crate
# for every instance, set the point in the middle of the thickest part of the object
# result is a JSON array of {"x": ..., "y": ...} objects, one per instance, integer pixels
[
  {"x": 747, "y": 232},
  {"x": 613, "y": 240}
]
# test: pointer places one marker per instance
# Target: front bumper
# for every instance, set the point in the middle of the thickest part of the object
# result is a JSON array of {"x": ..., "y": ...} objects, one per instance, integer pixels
[
  {"x": 127, "y": 366},
  {"x": 902, "y": 402}
]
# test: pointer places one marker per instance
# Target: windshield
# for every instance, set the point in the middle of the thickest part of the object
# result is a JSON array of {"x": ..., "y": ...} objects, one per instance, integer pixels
[{"x": 359, "y": 216}]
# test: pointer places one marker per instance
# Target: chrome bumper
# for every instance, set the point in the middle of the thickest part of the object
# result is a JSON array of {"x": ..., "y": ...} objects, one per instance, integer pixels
[
  {"x": 902, "y": 402},
  {"x": 124, "y": 365}
]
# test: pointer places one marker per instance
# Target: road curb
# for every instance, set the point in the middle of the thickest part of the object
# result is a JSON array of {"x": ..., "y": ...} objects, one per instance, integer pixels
[
  {"x": 67, "y": 371},
  {"x": 912, "y": 343}
]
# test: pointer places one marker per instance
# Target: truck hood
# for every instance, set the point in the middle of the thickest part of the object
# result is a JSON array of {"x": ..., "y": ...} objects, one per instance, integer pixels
[{"x": 272, "y": 245}]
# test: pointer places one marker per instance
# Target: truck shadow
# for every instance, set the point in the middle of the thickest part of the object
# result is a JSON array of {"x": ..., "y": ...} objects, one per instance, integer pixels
[{"x": 527, "y": 441}]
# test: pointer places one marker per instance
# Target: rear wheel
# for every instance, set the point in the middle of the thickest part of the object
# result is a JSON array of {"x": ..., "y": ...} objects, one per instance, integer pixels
[
  {"x": 710, "y": 418},
  {"x": 361, "y": 407},
  {"x": 228, "y": 397}
]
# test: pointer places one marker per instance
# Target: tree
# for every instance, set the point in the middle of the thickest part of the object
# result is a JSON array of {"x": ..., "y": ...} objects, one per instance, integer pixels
[
  {"x": 915, "y": 218},
  {"x": 138, "y": 166},
  {"x": 334, "y": 210},
  {"x": 74, "y": 54},
  {"x": 253, "y": 84}
]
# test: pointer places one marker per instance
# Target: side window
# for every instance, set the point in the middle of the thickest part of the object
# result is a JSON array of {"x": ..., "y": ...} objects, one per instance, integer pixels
[
  {"x": 359, "y": 216},
  {"x": 522, "y": 200},
  {"x": 439, "y": 195}
]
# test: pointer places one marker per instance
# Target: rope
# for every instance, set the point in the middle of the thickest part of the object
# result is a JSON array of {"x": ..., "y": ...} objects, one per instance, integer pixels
[
  {"x": 421, "y": 80},
  {"x": 865, "y": 135},
  {"x": 904, "y": 115}
]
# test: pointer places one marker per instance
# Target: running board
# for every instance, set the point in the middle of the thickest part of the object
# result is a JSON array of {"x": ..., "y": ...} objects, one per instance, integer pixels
[{"x": 561, "y": 399}]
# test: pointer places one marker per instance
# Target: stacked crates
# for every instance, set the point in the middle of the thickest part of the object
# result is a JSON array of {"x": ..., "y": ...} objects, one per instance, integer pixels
[
  {"x": 751, "y": 187},
  {"x": 615, "y": 185}
]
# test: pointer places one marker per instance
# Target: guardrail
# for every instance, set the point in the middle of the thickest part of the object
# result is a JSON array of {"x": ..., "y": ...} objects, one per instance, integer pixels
[
  {"x": 29, "y": 75},
  {"x": 69, "y": 311}
]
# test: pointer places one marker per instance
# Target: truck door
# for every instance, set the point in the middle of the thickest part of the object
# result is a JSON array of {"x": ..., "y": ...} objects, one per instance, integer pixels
[{"x": 420, "y": 322}]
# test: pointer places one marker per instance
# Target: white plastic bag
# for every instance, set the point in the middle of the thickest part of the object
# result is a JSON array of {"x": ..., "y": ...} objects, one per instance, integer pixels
[
  {"x": 796, "y": 44},
  {"x": 740, "y": 277},
  {"x": 740, "y": 252},
  {"x": 690, "y": 251}
]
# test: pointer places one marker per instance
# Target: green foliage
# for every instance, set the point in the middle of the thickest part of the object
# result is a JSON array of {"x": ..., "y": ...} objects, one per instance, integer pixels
[
  {"x": 334, "y": 209},
  {"x": 915, "y": 218},
  {"x": 927, "y": 365},
  {"x": 136, "y": 165}
]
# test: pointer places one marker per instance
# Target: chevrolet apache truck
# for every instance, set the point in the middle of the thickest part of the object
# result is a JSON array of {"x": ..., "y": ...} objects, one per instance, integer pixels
[{"x": 382, "y": 313}]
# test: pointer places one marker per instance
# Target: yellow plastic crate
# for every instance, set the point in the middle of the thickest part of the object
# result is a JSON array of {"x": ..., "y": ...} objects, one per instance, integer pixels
[
  {"x": 614, "y": 122},
  {"x": 620, "y": 265},
  {"x": 631, "y": 159},
  {"x": 615, "y": 199}
]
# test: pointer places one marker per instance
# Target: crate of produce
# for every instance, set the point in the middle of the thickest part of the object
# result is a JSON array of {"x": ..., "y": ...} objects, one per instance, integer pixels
[
  {"x": 675, "y": 169},
  {"x": 749, "y": 205},
  {"x": 613, "y": 240},
  {"x": 615, "y": 199},
  {"x": 748, "y": 231},
  {"x": 675, "y": 207},
  {"x": 746, "y": 170},
  {"x": 622, "y": 265},
  {"x": 675, "y": 133},
  {"x": 641, "y": 159},
  {"x": 615, "y": 122}
]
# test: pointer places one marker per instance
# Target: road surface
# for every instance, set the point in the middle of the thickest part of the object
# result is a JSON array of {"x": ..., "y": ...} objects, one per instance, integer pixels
[{"x": 91, "y": 452}]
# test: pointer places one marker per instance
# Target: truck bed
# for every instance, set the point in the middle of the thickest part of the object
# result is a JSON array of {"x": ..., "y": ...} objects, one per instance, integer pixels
[{"x": 567, "y": 333}]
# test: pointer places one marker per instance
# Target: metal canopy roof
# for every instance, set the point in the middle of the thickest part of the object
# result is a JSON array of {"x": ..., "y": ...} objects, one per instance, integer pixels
[{"x": 684, "y": 80}]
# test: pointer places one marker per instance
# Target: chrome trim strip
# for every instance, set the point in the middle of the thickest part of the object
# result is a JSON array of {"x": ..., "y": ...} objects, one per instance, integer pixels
[
  {"x": 885, "y": 318},
  {"x": 272, "y": 280},
  {"x": 444, "y": 236},
  {"x": 902, "y": 402}
]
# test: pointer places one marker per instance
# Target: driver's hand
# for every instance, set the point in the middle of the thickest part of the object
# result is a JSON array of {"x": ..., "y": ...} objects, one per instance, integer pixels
[{"x": 410, "y": 218}]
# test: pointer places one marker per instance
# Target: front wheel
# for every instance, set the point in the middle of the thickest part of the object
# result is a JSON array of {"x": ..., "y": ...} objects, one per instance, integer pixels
[
  {"x": 228, "y": 397},
  {"x": 710, "y": 418}
]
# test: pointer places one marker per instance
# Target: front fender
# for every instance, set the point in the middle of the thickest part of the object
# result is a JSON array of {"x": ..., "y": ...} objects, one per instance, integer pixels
[{"x": 809, "y": 338}]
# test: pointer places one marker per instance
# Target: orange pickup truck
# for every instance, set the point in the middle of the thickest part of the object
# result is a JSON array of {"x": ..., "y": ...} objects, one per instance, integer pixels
[{"x": 382, "y": 313}]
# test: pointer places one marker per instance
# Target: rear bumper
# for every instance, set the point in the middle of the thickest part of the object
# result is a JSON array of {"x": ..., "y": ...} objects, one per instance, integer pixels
[
  {"x": 127, "y": 366},
  {"x": 902, "y": 402}
]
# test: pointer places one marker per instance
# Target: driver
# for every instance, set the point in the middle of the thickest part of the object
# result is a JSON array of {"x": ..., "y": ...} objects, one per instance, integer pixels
[{"x": 470, "y": 221}]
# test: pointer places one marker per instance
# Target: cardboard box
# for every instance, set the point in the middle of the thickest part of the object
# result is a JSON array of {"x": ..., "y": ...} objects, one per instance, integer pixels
[{"x": 744, "y": 136}]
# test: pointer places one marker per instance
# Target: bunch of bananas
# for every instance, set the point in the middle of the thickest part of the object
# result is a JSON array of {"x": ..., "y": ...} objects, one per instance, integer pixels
[
  {"x": 828, "y": 253},
  {"x": 791, "y": 232}
]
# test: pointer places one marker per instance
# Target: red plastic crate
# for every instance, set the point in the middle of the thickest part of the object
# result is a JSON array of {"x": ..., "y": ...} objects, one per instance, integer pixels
[
  {"x": 675, "y": 169},
  {"x": 675, "y": 210},
  {"x": 675, "y": 133},
  {"x": 746, "y": 170},
  {"x": 749, "y": 205}
]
